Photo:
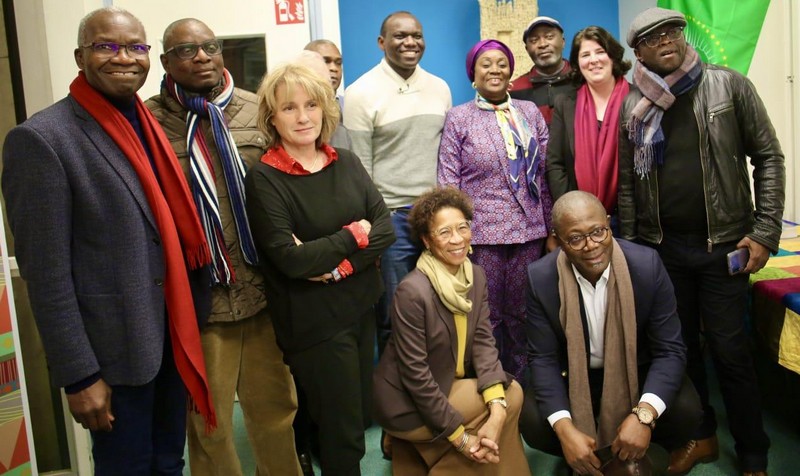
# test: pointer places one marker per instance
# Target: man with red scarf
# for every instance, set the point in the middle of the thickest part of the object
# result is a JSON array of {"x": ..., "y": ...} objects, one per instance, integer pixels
[
  {"x": 110, "y": 246},
  {"x": 213, "y": 127}
]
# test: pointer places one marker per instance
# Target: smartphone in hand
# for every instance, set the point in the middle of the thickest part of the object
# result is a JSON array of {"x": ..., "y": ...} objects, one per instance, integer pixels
[{"x": 737, "y": 260}]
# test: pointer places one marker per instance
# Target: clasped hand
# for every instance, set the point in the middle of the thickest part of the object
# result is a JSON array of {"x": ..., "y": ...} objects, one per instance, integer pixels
[{"x": 483, "y": 447}]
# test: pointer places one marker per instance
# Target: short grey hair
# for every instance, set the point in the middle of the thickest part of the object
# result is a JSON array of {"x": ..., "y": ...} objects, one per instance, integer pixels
[
  {"x": 167, "y": 37},
  {"x": 90, "y": 15}
]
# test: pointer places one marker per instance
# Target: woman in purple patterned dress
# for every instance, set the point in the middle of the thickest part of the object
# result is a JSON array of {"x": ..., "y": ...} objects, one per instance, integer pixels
[{"x": 493, "y": 148}]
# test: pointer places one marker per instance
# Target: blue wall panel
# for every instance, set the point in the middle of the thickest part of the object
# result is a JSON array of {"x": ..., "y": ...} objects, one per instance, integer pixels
[{"x": 450, "y": 27}]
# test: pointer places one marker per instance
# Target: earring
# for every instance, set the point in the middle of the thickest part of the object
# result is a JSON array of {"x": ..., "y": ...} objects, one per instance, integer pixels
[{"x": 474, "y": 86}]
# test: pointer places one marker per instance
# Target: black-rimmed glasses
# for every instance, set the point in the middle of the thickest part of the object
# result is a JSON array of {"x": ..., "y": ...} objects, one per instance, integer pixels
[
  {"x": 654, "y": 39},
  {"x": 189, "y": 50},
  {"x": 578, "y": 242},
  {"x": 109, "y": 50}
]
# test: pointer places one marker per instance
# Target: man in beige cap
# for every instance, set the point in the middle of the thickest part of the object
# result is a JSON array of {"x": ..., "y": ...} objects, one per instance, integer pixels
[
  {"x": 684, "y": 188},
  {"x": 549, "y": 76}
]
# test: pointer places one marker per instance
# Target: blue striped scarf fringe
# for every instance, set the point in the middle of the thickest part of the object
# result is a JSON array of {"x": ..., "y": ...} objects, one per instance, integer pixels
[{"x": 204, "y": 187}]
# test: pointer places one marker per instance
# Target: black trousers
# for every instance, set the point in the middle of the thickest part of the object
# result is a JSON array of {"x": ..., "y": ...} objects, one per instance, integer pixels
[
  {"x": 336, "y": 376},
  {"x": 673, "y": 428},
  {"x": 712, "y": 300}
]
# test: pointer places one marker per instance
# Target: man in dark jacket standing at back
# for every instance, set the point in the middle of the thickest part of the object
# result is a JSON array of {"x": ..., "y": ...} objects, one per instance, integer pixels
[
  {"x": 549, "y": 76},
  {"x": 691, "y": 200},
  {"x": 242, "y": 355}
]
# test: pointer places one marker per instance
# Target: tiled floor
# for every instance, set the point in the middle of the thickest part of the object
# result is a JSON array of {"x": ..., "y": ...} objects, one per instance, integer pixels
[{"x": 781, "y": 414}]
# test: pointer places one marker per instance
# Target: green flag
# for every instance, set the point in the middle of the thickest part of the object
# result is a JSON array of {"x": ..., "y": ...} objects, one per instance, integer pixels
[{"x": 723, "y": 32}]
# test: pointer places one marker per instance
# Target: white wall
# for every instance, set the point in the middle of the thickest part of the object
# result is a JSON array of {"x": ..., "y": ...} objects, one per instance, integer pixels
[
  {"x": 47, "y": 31},
  {"x": 774, "y": 64}
]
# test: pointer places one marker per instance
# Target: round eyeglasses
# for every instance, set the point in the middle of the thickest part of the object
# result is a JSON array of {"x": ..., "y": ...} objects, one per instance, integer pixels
[
  {"x": 578, "y": 242},
  {"x": 654, "y": 39},
  {"x": 189, "y": 50},
  {"x": 446, "y": 233}
]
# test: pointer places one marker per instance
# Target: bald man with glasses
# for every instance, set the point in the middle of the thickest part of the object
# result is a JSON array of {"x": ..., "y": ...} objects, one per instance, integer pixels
[
  {"x": 212, "y": 127},
  {"x": 606, "y": 355}
]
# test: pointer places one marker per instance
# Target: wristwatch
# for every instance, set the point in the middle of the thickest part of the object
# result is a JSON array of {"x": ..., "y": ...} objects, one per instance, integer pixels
[
  {"x": 645, "y": 416},
  {"x": 500, "y": 401}
]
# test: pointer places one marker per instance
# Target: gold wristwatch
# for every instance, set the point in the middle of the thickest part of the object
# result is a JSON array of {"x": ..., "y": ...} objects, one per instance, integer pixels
[{"x": 645, "y": 416}]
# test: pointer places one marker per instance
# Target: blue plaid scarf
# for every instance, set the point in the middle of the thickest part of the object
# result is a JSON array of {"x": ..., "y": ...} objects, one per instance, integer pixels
[
  {"x": 522, "y": 149},
  {"x": 644, "y": 128},
  {"x": 204, "y": 187}
]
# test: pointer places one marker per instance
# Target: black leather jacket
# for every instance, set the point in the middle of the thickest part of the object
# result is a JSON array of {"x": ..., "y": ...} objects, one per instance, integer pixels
[{"x": 733, "y": 125}]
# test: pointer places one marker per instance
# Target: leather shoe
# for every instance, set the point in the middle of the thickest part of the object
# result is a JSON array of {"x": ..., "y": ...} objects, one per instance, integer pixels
[
  {"x": 683, "y": 459},
  {"x": 305, "y": 464},
  {"x": 754, "y": 473}
]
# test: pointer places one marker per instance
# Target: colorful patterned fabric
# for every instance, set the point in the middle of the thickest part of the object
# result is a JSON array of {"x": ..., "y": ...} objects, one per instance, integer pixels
[
  {"x": 472, "y": 157},
  {"x": 776, "y": 303},
  {"x": 505, "y": 267}
]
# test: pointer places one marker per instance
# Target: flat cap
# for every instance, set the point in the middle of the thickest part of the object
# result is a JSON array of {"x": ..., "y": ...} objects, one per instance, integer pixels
[
  {"x": 650, "y": 19},
  {"x": 540, "y": 21}
]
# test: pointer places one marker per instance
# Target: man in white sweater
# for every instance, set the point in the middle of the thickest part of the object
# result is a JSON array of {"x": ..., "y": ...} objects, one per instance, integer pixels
[{"x": 395, "y": 114}]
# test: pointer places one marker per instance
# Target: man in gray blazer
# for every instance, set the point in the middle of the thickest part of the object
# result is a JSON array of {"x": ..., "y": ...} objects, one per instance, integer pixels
[{"x": 99, "y": 211}]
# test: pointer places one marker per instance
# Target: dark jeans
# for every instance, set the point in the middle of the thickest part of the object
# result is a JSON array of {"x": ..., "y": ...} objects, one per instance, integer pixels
[
  {"x": 336, "y": 376},
  {"x": 673, "y": 428},
  {"x": 397, "y": 261},
  {"x": 149, "y": 428},
  {"x": 714, "y": 303}
]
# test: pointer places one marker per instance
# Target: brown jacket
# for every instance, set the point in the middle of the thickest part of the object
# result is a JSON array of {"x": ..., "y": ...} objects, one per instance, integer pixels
[
  {"x": 245, "y": 297},
  {"x": 414, "y": 377}
]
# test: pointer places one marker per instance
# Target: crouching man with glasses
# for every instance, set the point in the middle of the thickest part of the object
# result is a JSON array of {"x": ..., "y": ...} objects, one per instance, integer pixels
[
  {"x": 606, "y": 366},
  {"x": 212, "y": 127}
]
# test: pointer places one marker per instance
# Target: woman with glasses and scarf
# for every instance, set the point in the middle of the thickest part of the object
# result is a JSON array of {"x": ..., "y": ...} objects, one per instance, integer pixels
[
  {"x": 439, "y": 389},
  {"x": 584, "y": 132},
  {"x": 493, "y": 148}
]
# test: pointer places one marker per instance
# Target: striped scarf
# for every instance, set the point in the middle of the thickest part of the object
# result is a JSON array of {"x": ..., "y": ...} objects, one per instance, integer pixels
[
  {"x": 204, "y": 187},
  {"x": 522, "y": 148},
  {"x": 658, "y": 95}
]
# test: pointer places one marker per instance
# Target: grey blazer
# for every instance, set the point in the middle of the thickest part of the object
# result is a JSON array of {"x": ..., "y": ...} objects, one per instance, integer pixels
[{"x": 87, "y": 246}]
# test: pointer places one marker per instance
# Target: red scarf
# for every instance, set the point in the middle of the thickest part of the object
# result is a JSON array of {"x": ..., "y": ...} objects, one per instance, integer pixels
[
  {"x": 178, "y": 226},
  {"x": 596, "y": 151}
]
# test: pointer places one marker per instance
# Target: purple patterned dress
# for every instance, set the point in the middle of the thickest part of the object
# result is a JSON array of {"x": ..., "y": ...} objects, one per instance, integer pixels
[{"x": 510, "y": 226}]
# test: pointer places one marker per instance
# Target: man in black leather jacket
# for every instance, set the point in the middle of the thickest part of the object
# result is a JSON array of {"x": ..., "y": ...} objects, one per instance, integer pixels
[{"x": 684, "y": 189}]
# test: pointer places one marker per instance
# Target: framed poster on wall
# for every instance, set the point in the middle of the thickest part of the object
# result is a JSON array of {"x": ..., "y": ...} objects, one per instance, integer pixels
[{"x": 16, "y": 439}]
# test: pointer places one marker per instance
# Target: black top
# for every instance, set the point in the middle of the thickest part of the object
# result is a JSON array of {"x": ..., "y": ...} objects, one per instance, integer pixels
[
  {"x": 315, "y": 208},
  {"x": 681, "y": 199}
]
